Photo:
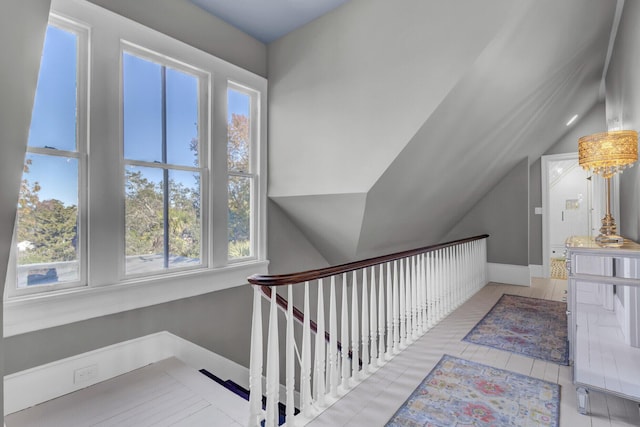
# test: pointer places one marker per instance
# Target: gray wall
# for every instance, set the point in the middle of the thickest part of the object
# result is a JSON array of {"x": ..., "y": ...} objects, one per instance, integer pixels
[
  {"x": 593, "y": 121},
  {"x": 623, "y": 109},
  {"x": 288, "y": 248},
  {"x": 502, "y": 213},
  {"x": 22, "y": 28},
  {"x": 219, "y": 321},
  {"x": 185, "y": 21}
]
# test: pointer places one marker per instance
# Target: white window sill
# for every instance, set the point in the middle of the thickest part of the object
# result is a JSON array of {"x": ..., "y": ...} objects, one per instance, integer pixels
[{"x": 41, "y": 311}]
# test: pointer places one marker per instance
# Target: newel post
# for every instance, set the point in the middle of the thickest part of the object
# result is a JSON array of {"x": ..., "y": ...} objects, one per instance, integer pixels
[{"x": 255, "y": 369}]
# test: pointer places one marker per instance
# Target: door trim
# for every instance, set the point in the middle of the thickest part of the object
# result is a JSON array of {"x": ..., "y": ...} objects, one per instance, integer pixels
[
  {"x": 546, "y": 254},
  {"x": 597, "y": 201}
]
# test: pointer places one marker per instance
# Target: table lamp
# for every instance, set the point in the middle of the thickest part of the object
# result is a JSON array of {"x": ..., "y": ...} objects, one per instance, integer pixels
[{"x": 606, "y": 154}]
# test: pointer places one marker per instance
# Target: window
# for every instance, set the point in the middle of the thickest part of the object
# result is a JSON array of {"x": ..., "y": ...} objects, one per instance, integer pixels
[
  {"x": 50, "y": 234},
  {"x": 163, "y": 167},
  {"x": 241, "y": 133},
  {"x": 144, "y": 179}
]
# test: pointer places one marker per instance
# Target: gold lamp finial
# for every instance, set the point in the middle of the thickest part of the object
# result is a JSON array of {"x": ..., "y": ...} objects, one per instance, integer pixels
[{"x": 606, "y": 154}]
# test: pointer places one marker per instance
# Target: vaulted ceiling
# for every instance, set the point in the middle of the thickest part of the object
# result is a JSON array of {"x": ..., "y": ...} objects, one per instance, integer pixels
[{"x": 388, "y": 121}]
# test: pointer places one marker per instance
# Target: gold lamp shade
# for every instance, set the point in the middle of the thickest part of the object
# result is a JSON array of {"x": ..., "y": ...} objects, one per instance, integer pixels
[{"x": 607, "y": 153}]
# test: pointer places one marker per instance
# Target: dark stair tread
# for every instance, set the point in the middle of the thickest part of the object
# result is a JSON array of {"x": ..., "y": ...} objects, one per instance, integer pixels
[{"x": 244, "y": 393}]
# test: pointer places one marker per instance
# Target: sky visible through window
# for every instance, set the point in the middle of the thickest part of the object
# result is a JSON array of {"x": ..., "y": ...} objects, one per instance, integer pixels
[{"x": 53, "y": 122}]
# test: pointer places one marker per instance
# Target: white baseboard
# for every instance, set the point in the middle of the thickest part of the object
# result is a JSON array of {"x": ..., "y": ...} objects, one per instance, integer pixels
[
  {"x": 536, "y": 270},
  {"x": 508, "y": 273},
  {"x": 42, "y": 383}
]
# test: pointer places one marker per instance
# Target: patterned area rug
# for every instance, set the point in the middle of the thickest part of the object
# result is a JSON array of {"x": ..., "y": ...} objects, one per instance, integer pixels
[
  {"x": 458, "y": 392},
  {"x": 529, "y": 326}
]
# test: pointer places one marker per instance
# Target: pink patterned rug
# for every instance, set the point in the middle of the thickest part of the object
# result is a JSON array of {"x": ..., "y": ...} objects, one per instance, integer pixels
[
  {"x": 459, "y": 392},
  {"x": 529, "y": 326}
]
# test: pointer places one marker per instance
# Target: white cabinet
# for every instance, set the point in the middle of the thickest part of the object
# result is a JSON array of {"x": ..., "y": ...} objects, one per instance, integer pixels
[{"x": 603, "y": 317}]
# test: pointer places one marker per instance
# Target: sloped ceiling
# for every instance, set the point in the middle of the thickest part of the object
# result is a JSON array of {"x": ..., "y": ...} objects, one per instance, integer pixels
[{"x": 418, "y": 108}]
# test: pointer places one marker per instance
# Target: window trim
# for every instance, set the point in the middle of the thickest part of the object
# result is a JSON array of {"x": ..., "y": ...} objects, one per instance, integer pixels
[
  {"x": 252, "y": 174},
  {"x": 204, "y": 121},
  {"x": 107, "y": 291},
  {"x": 83, "y": 40}
]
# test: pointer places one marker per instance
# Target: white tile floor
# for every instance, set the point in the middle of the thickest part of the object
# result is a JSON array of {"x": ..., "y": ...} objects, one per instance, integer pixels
[
  {"x": 377, "y": 398},
  {"x": 137, "y": 398}
]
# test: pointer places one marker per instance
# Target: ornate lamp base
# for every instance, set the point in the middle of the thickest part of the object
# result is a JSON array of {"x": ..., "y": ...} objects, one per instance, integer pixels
[{"x": 608, "y": 236}]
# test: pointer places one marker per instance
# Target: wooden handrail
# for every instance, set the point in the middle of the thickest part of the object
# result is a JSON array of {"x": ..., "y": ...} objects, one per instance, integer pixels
[{"x": 293, "y": 278}]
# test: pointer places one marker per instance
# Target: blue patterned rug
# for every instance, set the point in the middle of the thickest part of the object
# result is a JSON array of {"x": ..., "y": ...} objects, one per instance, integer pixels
[
  {"x": 529, "y": 326},
  {"x": 458, "y": 392}
]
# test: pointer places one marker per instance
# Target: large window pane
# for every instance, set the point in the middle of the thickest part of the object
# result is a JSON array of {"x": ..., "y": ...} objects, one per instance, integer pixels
[
  {"x": 142, "y": 107},
  {"x": 149, "y": 220},
  {"x": 240, "y": 217},
  {"x": 47, "y": 235},
  {"x": 184, "y": 219},
  {"x": 144, "y": 219},
  {"x": 182, "y": 118},
  {"x": 239, "y": 126},
  {"x": 53, "y": 122}
]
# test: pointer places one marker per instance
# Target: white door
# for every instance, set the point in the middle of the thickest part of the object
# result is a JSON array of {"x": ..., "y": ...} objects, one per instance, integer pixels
[{"x": 569, "y": 203}]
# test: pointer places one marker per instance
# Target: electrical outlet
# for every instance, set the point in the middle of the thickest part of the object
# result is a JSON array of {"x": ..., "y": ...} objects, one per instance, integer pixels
[{"x": 86, "y": 374}]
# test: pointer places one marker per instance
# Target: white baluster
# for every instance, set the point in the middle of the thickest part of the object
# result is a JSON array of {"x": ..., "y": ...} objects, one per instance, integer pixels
[
  {"x": 373, "y": 325},
  {"x": 255, "y": 372},
  {"x": 403, "y": 307},
  {"x": 355, "y": 329},
  {"x": 273, "y": 365},
  {"x": 414, "y": 296},
  {"x": 290, "y": 357},
  {"x": 428, "y": 285},
  {"x": 333, "y": 341},
  {"x": 470, "y": 275},
  {"x": 461, "y": 269},
  {"x": 425, "y": 296},
  {"x": 449, "y": 281},
  {"x": 319, "y": 376},
  {"x": 439, "y": 284},
  {"x": 422, "y": 295},
  {"x": 474, "y": 265},
  {"x": 396, "y": 309},
  {"x": 389, "y": 336},
  {"x": 381, "y": 317},
  {"x": 454, "y": 284},
  {"x": 408, "y": 281},
  {"x": 305, "y": 369},
  {"x": 465, "y": 268},
  {"x": 454, "y": 275},
  {"x": 484, "y": 261},
  {"x": 344, "y": 336},
  {"x": 408, "y": 284},
  {"x": 365, "y": 321}
]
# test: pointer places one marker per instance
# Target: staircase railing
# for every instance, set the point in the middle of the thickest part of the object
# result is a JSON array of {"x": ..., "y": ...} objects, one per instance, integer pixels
[{"x": 386, "y": 303}]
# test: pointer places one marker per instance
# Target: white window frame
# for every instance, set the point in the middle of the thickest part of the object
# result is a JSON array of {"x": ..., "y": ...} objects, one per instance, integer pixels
[
  {"x": 107, "y": 289},
  {"x": 82, "y": 33},
  {"x": 254, "y": 132},
  {"x": 204, "y": 79}
]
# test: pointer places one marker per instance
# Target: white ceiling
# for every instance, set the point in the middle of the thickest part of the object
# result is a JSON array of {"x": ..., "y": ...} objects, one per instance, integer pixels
[{"x": 268, "y": 20}]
